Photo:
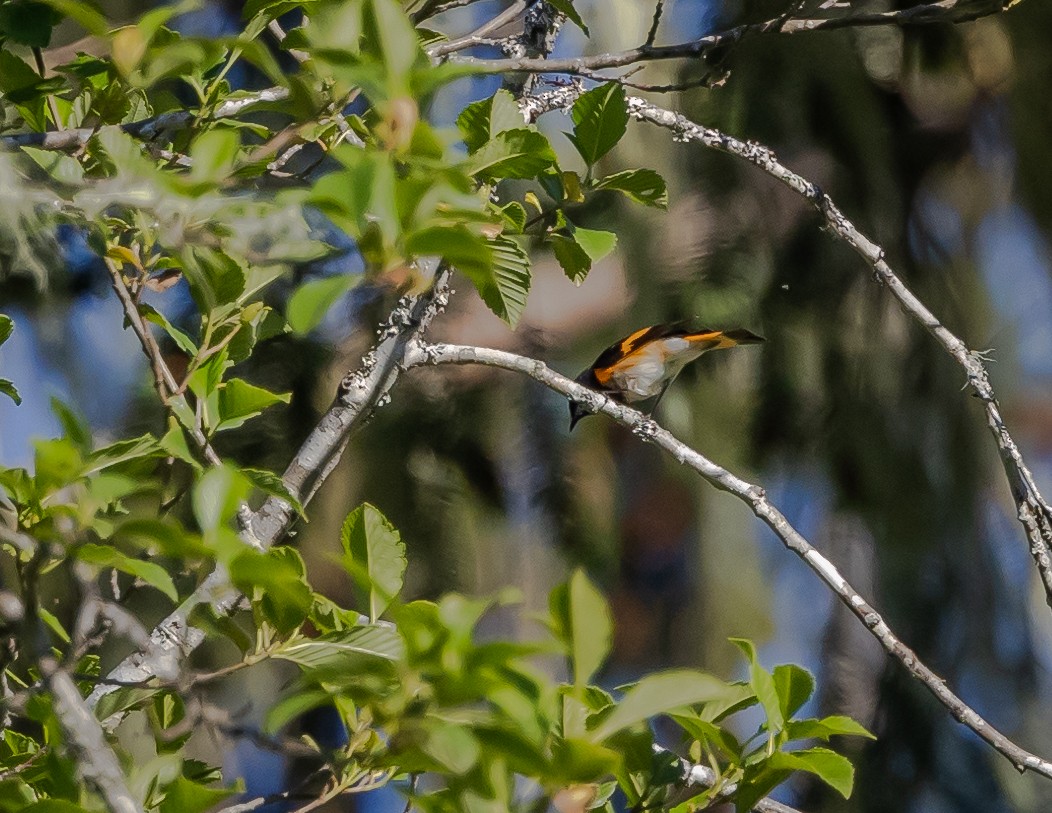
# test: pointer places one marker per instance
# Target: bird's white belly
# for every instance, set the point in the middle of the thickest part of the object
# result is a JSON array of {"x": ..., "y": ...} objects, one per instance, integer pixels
[{"x": 653, "y": 367}]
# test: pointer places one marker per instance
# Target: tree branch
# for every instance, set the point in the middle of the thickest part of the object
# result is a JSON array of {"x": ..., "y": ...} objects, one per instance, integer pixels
[
  {"x": 146, "y": 129},
  {"x": 1033, "y": 510},
  {"x": 359, "y": 394},
  {"x": 942, "y": 11},
  {"x": 755, "y": 497}
]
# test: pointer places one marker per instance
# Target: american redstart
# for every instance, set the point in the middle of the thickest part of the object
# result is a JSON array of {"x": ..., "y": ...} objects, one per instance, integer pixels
[{"x": 641, "y": 366}]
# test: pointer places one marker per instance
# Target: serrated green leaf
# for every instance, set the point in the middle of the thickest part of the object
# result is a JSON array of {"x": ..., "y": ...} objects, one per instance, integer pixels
[
  {"x": 312, "y": 301},
  {"x": 374, "y": 555},
  {"x": 334, "y": 651},
  {"x": 641, "y": 185},
  {"x": 519, "y": 153},
  {"x": 600, "y": 119},
  {"x": 150, "y": 572},
  {"x": 482, "y": 120},
  {"x": 7, "y": 327},
  {"x": 657, "y": 694},
  {"x": 573, "y": 259},
  {"x": 239, "y": 401},
  {"x": 507, "y": 294},
  {"x": 514, "y": 215}
]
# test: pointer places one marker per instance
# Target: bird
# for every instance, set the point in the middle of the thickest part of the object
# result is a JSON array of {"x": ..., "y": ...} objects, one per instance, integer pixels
[{"x": 642, "y": 365}]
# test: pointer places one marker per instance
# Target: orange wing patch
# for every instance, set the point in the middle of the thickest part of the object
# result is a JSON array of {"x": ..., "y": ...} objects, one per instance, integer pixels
[{"x": 633, "y": 342}]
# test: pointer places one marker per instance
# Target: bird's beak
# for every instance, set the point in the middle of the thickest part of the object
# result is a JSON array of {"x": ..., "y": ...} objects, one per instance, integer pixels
[{"x": 576, "y": 413}]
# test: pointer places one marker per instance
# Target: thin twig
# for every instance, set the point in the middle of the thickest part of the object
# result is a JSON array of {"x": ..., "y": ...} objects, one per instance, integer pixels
[
  {"x": 659, "y": 8},
  {"x": 924, "y": 14},
  {"x": 477, "y": 36},
  {"x": 756, "y": 498},
  {"x": 167, "y": 387}
]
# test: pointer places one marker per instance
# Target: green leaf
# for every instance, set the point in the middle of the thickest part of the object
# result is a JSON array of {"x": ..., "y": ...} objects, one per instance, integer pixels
[
  {"x": 7, "y": 327},
  {"x": 292, "y": 706},
  {"x": 217, "y": 495},
  {"x": 184, "y": 342},
  {"x": 582, "y": 620},
  {"x": 596, "y": 244},
  {"x": 338, "y": 650},
  {"x": 83, "y": 13},
  {"x": 57, "y": 463},
  {"x": 506, "y": 291},
  {"x": 270, "y": 483},
  {"x": 150, "y": 572},
  {"x": 794, "y": 685},
  {"x": 835, "y": 725},
  {"x": 53, "y": 806},
  {"x": 63, "y": 168},
  {"x": 519, "y": 153},
  {"x": 122, "y": 451},
  {"x": 184, "y": 796},
  {"x": 239, "y": 401},
  {"x": 74, "y": 427},
  {"x": 482, "y": 120},
  {"x": 213, "y": 154},
  {"x": 829, "y": 766},
  {"x": 710, "y": 734},
  {"x": 600, "y": 120},
  {"x": 53, "y": 624},
  {"x": 312, "y": 301},
  {"x": 451, "y": 746},
  {"x": 121, "y": 699},
  {"x": 27, "y": 22},
  {"x": 156, "y": 536},
  {"x": 374, "y": 555},
  {"x": 762, "y": 683},
  {"x": 280, "y": 577},
  {"x": 657, "y": 694},
  {"x": 641, "y": 185},
  {"x": 388, "y": 31},
  {"x": 7, "y": 388},
  {"x": 573, "y": 259},
  {"x": 567, "y": 8}
]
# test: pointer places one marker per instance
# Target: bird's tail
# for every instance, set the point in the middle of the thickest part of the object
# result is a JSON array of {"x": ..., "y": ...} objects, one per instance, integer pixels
[{"x": 730, "y": 338}]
